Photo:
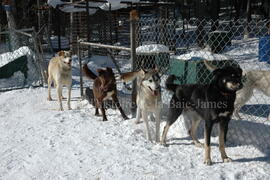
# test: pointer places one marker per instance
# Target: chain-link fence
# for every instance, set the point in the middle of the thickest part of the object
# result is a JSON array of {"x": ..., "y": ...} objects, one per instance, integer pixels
[
  {"x": 19, "y": 63},
  {"x": 100, "y": 56},
  {"x": 179, "y": 47}
]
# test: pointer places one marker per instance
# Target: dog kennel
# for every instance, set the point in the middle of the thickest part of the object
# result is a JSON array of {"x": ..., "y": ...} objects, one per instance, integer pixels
[{"x": 195, "y": 71}]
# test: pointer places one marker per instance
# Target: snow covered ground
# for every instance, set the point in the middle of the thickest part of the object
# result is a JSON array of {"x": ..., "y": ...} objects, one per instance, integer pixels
[{"x": 39, "y": 142}]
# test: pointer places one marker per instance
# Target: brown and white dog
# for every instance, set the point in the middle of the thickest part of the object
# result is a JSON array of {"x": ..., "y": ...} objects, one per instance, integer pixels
[
  {"x": 104, "y": 88},
  {"x": 59, "y": 72}
]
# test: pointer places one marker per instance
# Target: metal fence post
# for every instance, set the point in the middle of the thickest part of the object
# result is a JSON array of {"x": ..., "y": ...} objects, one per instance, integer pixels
[
  {"x": 80, "y": 64},
  {"x": 133, "y": 20}
]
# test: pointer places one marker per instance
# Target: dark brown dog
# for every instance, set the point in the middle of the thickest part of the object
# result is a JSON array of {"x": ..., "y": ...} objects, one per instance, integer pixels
[{"x": 104, "y": 87}]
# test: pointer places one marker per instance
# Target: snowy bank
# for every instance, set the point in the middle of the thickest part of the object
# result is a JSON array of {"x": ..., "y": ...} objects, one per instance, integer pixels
[{"x": 152, "y": 48}]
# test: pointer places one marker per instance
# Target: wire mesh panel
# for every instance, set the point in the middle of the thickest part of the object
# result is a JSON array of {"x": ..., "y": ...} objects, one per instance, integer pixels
[
  {"x": 188, "y": 43},
  {"x": 18, "y": 62}
]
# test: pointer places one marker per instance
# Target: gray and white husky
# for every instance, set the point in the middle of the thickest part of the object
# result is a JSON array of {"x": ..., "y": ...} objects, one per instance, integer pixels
[{"x": 148, "y": 97}]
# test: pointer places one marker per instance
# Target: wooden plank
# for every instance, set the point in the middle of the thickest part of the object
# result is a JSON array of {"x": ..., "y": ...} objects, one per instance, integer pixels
[{"x": 105, "y": 46}]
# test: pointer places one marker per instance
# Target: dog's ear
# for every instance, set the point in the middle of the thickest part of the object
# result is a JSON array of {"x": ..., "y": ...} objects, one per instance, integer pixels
[
  {"x": 217, "y": 72},
  {"x": 61, "y": 53},
  {"x": 143, "y": 72},
  {"x": 109, "y": 70},
  {"x": 68, "y": 53},
  {"x": 101, "y": 71}
]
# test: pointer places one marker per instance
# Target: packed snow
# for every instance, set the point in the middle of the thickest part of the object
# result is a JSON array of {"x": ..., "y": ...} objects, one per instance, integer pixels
[
  {"x": 152, "y": 48},
  {"x": 39, "y": 142}
]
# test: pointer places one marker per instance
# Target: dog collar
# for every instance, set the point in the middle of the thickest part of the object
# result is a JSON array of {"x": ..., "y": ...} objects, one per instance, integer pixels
[{"x": 225, "y": 94}]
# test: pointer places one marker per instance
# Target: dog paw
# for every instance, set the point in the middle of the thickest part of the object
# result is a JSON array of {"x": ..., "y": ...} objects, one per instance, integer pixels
[
  {"x": 226, "y": 160},
  {"x": 207, "y": 162},
  {"x": 61, "y": 109},
  {"x": 199, "y": 144},
  {"x": 163, "y": 143},
  {"x": 49, "y": 99},
  {"x": 137, "y": 122},
  {"x": 105, "y": 120},
  {"x": 125, "y": 118}
]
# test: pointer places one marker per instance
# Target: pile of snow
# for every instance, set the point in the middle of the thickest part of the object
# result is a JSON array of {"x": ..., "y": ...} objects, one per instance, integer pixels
[
  {"x": 11, "y": 56},
  {"x": 54, "y": 3},
  {"x": 152, "y": 48},
  {"x": 73, "y": 9},
  {"x": 201, "y": 55},
  {"x": 115, "y": 5},
  {"x": 96, "y": 62}
]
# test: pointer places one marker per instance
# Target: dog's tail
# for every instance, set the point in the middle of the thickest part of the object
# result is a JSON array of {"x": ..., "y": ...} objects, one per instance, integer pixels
[
  {"x": 130, "y": 76},
  {"x": 169, "y": 83},
  {"x": 88, "y": 73},
  {"x": 209, "y": 66}
]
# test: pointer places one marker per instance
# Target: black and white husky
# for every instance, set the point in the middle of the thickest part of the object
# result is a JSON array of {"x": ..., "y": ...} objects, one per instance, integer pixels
[
  {"x": 148, "y": 97},
  {"x": 253, "y": 79}
]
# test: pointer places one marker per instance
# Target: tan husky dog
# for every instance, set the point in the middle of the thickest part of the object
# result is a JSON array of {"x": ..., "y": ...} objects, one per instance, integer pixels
[
  {"x": 59, "y": 72},
  {"x": 148, "y": 97}
]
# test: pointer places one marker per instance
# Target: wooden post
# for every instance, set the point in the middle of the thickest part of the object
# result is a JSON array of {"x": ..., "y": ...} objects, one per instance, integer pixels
[
  {"x": 50, "y": 22},
  {"x": 48, "y": 39},
  {"x": 58, "y": 27},
  {"x": 133, "y": 19},
  {"x": 14, "y": 40},
  {"x": 80, "y": 64},
  {"x": 38, "y": 14},
  {"x": 248, "y": 19},
  {"x": 110, "y": 19},
  {"x": 71, "y": 32},
  {"x": 87, "y": 21},
  {"x": 39, "y": 57},
  {"x": 268, "y": 20},
  {"x": 116, "y": 27}
]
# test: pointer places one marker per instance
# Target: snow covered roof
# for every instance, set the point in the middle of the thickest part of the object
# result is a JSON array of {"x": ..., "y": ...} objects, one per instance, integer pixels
[
  {"x": 200, "y": 55},
  {"x": 94, "y": 6},
  {"x": 152, "y": 48},
  {"x": 11, "y": 56}
]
